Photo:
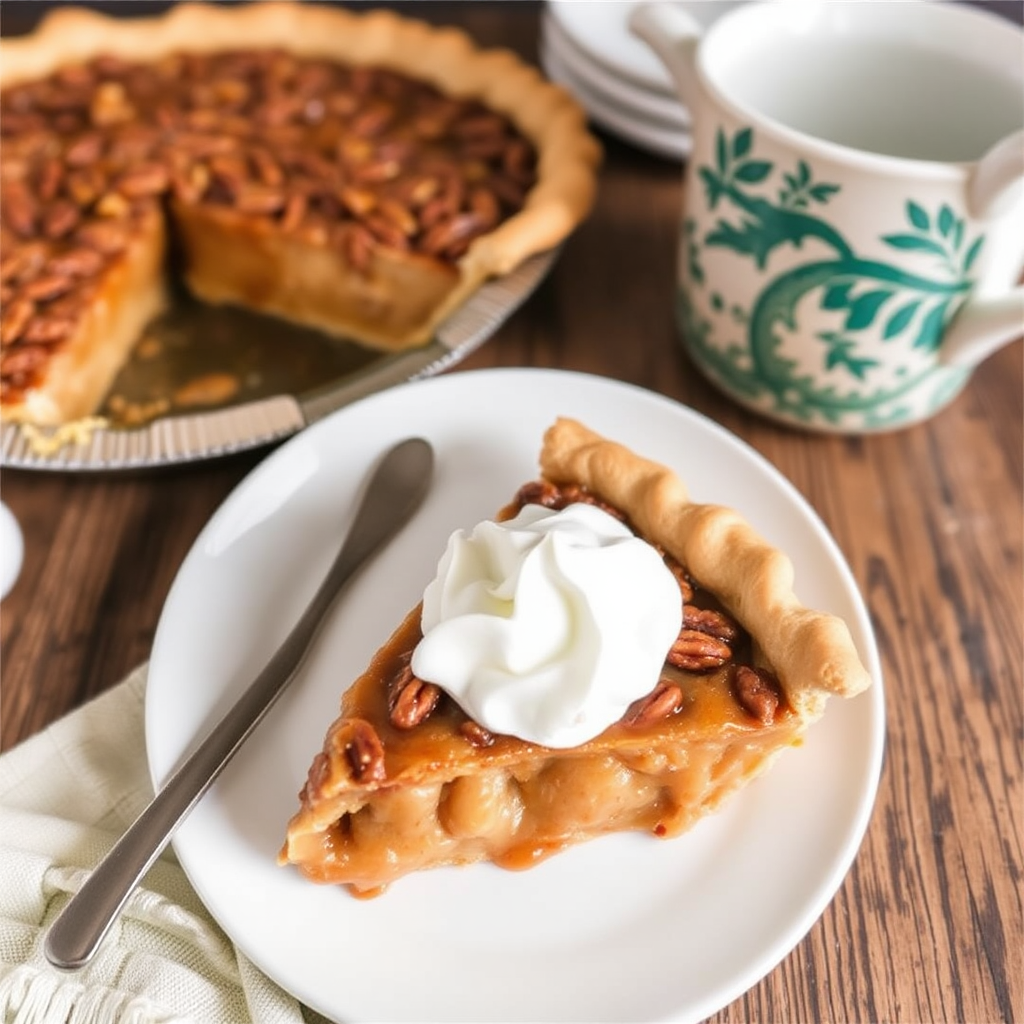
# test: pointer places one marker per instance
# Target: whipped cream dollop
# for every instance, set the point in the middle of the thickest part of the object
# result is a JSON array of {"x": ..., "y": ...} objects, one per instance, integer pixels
[{"x": 549, "y": 625}]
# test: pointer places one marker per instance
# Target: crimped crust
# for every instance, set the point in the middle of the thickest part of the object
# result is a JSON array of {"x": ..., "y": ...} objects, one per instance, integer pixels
[
  {"x": 812, "y": 652},
  {"x": 446, "y": 57},
  {"x": 385, "y": 296}
]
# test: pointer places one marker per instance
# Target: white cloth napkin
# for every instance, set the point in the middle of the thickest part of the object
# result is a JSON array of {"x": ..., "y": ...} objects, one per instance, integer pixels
[{"x": 66, "y": 794}]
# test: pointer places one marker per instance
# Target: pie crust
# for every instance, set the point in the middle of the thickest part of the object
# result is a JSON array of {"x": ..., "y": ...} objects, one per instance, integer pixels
[
  {"x": 383, "y": 799},
  {"x": 331, "y": 274}
]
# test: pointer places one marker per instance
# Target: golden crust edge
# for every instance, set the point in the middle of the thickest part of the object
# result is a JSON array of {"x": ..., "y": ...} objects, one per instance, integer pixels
[
  {"x": 81, "y": 373},
  {"x": 568, "y": 155},
  {"x": 812, "y": 651}
]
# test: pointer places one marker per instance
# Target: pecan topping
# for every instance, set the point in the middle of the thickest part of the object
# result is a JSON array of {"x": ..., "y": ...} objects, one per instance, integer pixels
[
  {"x": 358, "y": 246},
  {"x": 758, "y": 692},
  {"x": 364, "y": 751},
  {"x": 79, "y": 262},
  {"x": 410, "y": 699},
  {"x": 664, "y": 700},
  {"x": 695, "y": 651},
  {"x": 575, "y": 493},
  {"x": 15, "y": 318},
  {"x": 103, "y": 236},
  {"x": 144, "y": 180},
  {"x": 46, "y": 330},
  {"x": 357, "y": 158},
  {"x": 559, "y": 496},
  {"x": 48, "y": 180},
  {"x": 538, "y": 492},
  {"x": 85, "y": 150},
  {"x": 476, "y": 733},
  {"x": 60, "y": 219},
  {"x": 715, "y": 624},
  {"x": 19, "y": 210},
  {"x": 42, "y": 289}
]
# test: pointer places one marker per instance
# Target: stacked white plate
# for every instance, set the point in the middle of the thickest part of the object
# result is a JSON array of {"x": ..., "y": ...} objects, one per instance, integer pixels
[{"x": 586, "y": 46}]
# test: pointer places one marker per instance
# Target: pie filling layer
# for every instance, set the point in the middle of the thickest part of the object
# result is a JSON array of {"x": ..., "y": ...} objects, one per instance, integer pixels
[
  {"x": 406, "y": 780},
  {"x": 347, "y": 197},
  {"x": 446, "y": 791}
]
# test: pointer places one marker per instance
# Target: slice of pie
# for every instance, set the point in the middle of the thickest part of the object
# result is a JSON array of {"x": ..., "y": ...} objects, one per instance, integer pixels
[
  {"x": 357, "y": 173},
  {"x": 407, "y": 780}
]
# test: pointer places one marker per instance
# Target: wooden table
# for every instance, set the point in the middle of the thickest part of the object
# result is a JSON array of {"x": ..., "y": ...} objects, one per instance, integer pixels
[{"x": 928, "y": 924}]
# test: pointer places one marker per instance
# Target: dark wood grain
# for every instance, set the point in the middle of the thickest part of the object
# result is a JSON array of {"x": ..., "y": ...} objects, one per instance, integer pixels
[{"x": 928, "y": 924}]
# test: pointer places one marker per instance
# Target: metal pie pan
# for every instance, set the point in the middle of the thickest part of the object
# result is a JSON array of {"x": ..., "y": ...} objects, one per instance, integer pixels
[{"x": 185, "y": 437}]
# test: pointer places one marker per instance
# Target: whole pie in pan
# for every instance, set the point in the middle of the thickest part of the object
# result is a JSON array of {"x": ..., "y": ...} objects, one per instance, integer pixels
[
  {"x": 407, "y": 780},
  {"x": 357, "y": 173}
]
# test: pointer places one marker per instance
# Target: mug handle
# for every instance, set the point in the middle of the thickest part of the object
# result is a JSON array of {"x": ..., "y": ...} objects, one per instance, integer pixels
[
  {"x": 984, "y": 325},
  {"x": 674, "y": 35}
]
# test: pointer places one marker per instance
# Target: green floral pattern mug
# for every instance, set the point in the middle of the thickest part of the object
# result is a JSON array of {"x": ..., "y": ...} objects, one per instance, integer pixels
[{"x": 846, "y": 280}]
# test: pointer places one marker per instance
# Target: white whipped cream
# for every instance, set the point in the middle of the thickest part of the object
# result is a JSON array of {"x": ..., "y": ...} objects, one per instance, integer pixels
[{"x": 549, "y": 625}]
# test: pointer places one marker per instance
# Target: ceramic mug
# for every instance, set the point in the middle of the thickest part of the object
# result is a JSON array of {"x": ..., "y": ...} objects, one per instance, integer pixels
[{"x": 854, "y": 213}]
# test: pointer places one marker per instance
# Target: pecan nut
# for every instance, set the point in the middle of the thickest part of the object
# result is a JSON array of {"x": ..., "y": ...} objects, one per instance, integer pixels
[
  {"x": 386, "y": 231},
  {"x": 16, "y": 317},
  {"x": 47, "y": 330},
  {"x": 105, "y": 237},
  {"x": 476, "y": 734},
  {"x": 664, "y": 700},
  {"x": 446, "y": 234},
  {"x": 714, "y": 623},
  {"x": 294, "y": 211},
  {"x": 77, "y": 263},
  {"x": 49, "y": 180},
  {"x": 85, "y": 150},
  {"x": 43, "y": 289},
  {"x": 267, "y": 169},
  {"x": 23, "y": 263},
  {"x": 19, "y": 210},
  {"x": 364, "y": 751},
  {"x": 23, "y": 360},
  {"x": 695, "y": 651},
  {"x": 358, "y": 201},
  {"x": 144, "y": 180},
  {"x": 60, "y": 219},
  {"x": 410, "y": 699},
  {"x": 538, "y": 492},
  {"x": 558, "y": 496},
  {"x": 758, "y": 692},
  {"x": 358, "y": 245},
  {"x": 259, "y": 199}
]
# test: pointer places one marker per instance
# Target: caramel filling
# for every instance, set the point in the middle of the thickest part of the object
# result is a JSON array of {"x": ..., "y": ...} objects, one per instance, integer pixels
[{"x": 354, "y": 160}]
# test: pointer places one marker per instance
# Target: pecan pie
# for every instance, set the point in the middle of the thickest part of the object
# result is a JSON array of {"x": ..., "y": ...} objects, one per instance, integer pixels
[
  {"x": 358, "y": 173},
  {"x": 407, "y": 781}
]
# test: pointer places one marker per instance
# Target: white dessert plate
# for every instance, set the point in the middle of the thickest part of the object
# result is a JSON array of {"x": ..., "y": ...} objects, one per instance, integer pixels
[
  {"x": 648, "y": 104},
  {"x": 601, "y": 29},
  {"x": 625, "y": 928},
  {"x": 631, "y": 126}
]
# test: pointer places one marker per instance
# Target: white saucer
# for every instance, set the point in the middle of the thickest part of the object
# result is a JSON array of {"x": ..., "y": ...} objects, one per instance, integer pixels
[
  {"x": 12, "y": 549},
  {"x": 673, "y": 143},
  {"x": 655, "y": 107},
  {"x": 601, "y": 30}
]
